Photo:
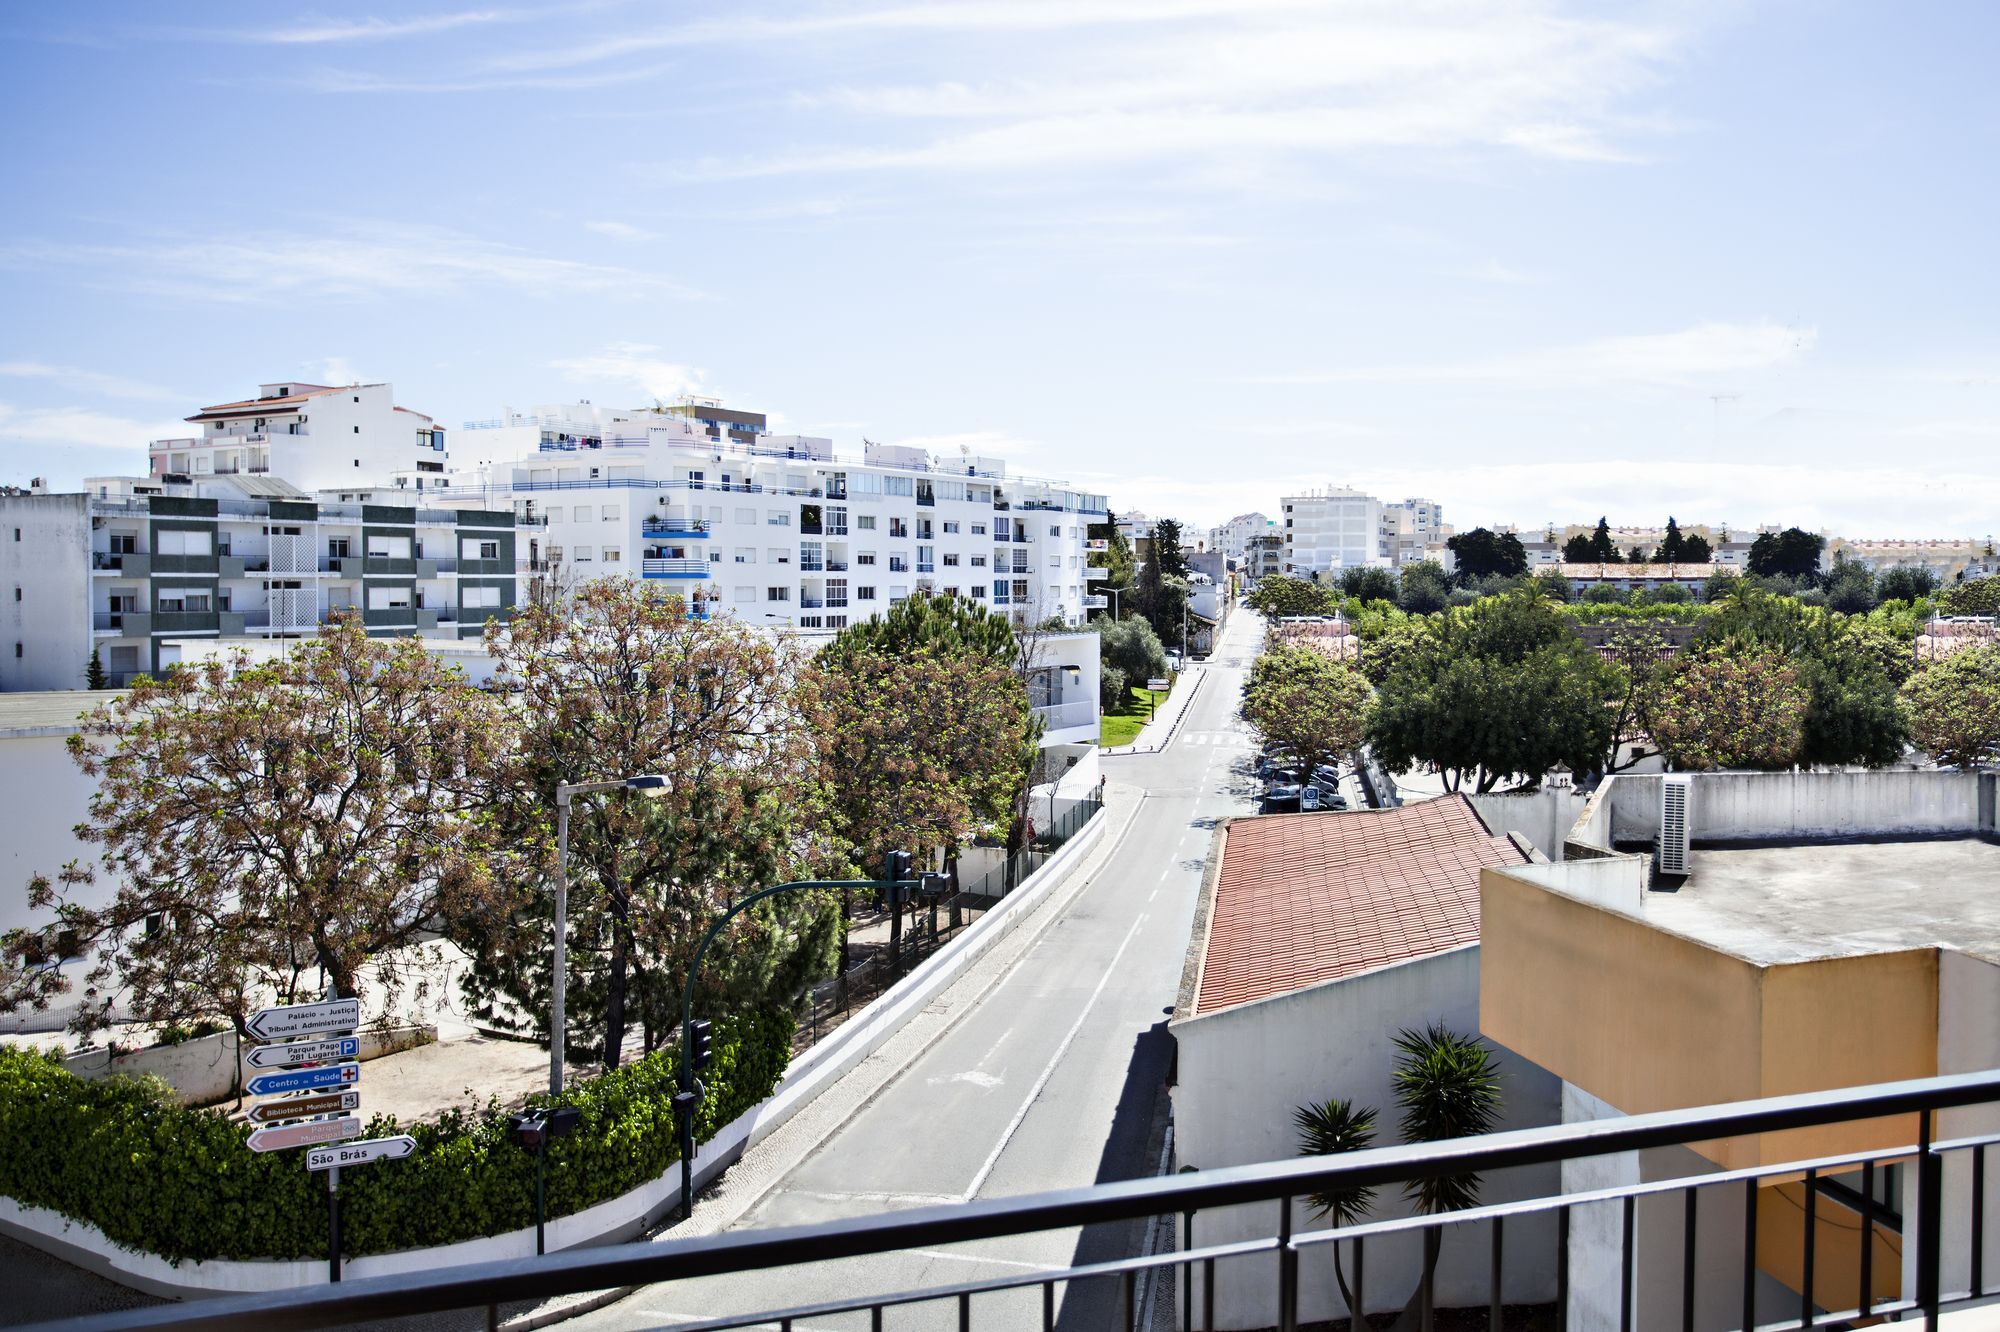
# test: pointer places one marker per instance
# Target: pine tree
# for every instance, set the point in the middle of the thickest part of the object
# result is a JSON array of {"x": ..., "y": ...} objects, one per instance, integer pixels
[
  {"x": 1601, "y": 549},
  {"x": 1673, "y": 548},
  {"x": 93, "y": 674}
]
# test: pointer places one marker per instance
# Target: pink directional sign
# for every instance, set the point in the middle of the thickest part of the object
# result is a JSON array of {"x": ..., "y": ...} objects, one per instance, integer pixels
[{"x": 308, "y": 1134}]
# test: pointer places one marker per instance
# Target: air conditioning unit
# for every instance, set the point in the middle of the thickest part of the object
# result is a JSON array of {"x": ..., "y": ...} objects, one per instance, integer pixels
[{"x": 1674, "y": 834}]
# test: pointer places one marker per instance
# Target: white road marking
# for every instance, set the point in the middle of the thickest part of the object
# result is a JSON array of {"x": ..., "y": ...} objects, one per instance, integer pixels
[
  {"x": 1014, "y": 1124},
  {"x": 981, "y": 1258},
  {"x": 865, "y": 1195},
  {"x": 973, "y": 1076}
]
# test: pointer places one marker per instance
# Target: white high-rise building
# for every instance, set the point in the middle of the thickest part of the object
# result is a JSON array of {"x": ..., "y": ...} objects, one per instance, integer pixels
[
  {"x": 1417, "y": 529},
  {"x": 315, "y": 436},
  {"x": 779, "y": 530},
  {"x": 1332, "y": 529},
  {"x": 1233, "y": 537}
]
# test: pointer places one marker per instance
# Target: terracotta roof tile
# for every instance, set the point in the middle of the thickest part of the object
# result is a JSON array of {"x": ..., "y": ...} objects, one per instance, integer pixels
[{"x": 1305, "y": 898}]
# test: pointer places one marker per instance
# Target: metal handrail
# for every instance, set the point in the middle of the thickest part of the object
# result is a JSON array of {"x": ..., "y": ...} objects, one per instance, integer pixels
[{"x": 487, "y": 1284}]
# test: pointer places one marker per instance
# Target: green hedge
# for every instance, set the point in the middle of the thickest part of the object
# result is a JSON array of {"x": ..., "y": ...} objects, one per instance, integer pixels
[{"x": 124, "y": 1156}]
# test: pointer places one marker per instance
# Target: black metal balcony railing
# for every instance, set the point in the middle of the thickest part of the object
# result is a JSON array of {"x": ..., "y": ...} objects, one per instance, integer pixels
[{"x": 1276, "y": 1257}]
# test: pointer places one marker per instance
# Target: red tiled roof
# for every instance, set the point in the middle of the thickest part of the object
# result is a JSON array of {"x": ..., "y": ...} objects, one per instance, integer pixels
[{"x": 1305, "y": 898}]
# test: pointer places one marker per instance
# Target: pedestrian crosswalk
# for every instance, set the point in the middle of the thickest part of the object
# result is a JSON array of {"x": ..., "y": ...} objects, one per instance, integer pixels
[{"x": 1230, "y": 739}]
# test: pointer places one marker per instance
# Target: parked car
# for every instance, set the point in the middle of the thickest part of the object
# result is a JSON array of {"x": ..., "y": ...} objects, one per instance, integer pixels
[{"x": 1281, "y": 798}]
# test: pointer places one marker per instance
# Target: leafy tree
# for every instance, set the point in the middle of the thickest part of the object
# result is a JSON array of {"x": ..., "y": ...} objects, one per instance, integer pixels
[
  {"x": 1423, "y": 588},
  {"x": 1604, "y": 594},
  {"x": 1119, "y": 565},
  {"x": 1329, "y": 1128},
  {"x": 1481, "y": 553},
  {"x": 1635, "y": 652},
  {"x": 268, "y": 820},
  {"x": 948, "y": 625},
  {"x": 1719, "y": 586},
  {"x": 622, "y": 681},
  {"x": 1282, "y": 595},
  {"x": 1366, "y": 584},
  {"x": 1132, "y": 647},
  {"x": 1504, "y": 689},
  {"x": 1304, "y": 700},
  {"x": 1695, "y": 550},
  {"x": 1850, "y": 587},
  {"x": 1854, "y": 716},
  {"x": 1954, "y": 707},
  {"x": 93, "y": 673},
  {"x": 1673, "y": 546},
  {"x": 1906, "y": 584},
  {"x": 1669, "y": 594},
  {"x": 1743, "y": 709},
  {"x": 1167, "y": 552},
  {"x": 1112, "y": 687},
  {"x": 1552, "y": 584},
  {"x": 1577, "y": 550},
  {"x": 1602, "y": 550},
  {"x": 1792, "y": 553},
  {"x": 1977, "y": 596}
]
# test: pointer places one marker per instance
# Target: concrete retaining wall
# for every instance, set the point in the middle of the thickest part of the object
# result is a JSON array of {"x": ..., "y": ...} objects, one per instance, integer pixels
[
  {"x": 201, "y": 1070},
  {"x": 616, "y": 1220},
  {"x": 1544, "y": 816},
  {"x": 1759, "y": 806}
]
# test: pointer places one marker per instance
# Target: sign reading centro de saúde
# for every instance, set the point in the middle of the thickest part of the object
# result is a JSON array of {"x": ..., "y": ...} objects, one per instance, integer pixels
[
  {"x": 304, "y": 1052},
  {"x": 307, "y": 1133},
  {"x": 361, "y": 1153},
  {"x": 304, "y": 1079},
  {"x": 304, "y": 1107},
  {"x": 292, "y": 1020}
]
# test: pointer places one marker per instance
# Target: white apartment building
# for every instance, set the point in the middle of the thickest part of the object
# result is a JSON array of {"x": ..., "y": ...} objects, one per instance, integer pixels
[
  {"x": 1417, "y": 531},
  {"x": 1333, "y": 529},
  {"x": 315, "y": 436},
  {"x": 133, "y": 568},
  {"x": 1233, "y": 537},
  {"x": 779, "y": 530}
]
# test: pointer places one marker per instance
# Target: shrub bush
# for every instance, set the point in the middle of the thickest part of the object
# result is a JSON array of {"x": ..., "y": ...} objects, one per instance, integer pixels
[{"x": 153, "y": 1175}]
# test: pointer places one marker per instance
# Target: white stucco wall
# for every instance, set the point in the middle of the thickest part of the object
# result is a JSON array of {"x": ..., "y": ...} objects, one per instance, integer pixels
[
  {"x": 42, "y": 797},
  {"x": 50, "y": 616},
  {"x": 1544, "y": 816},
  {"x": 1243, "y": 1071},
  {"x": 1729, "y": 806}
]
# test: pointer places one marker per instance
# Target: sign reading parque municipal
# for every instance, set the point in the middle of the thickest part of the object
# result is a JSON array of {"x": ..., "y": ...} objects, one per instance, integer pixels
[
  {"x": 361, "y": 1153},
  {"x": 307, "y": 1133},
  {"x": 291, "y": 1020},
  {"x": 304, "y": 1052}
]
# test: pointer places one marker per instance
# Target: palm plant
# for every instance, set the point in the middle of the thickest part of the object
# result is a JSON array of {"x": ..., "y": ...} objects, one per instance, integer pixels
[
  {"x": 1448, "y": 1087},
  {"x": 1326, "y": 1129}
]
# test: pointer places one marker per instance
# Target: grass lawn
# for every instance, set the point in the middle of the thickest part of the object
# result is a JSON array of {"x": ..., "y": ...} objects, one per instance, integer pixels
[{"x": 1122, "y": 726}]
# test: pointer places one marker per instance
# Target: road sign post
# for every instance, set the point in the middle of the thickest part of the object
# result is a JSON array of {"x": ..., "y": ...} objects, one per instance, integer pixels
[
  {"x": 366, "y": 1152},
  {"x": 294, "y": 1020},
  {"x": 304, "y": 1107},
  {"x": 304, "y": 1079},
  {"x": 305, "y": 1133},
  {"x": 304, "y": 1052}
]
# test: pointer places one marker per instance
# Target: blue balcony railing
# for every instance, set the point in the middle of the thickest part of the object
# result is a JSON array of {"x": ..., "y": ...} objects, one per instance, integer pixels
[{"x": 673, "y": 568}]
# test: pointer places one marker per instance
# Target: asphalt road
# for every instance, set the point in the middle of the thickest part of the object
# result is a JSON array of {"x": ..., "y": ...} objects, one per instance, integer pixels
[{"x": 1051, "y": 1077}]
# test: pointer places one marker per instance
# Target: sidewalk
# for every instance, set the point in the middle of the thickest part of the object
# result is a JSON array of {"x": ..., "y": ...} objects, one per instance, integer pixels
[{"x": 1159, "y": 731}]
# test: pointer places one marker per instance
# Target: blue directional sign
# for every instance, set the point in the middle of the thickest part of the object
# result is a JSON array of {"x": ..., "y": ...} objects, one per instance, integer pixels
[{"x": 304, "y": 1079}]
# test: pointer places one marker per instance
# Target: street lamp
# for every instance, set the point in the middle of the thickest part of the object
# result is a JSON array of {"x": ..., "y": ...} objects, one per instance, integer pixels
[
  {"x": 696, "y": 1037},
  {"x": 650, "y": 785}
]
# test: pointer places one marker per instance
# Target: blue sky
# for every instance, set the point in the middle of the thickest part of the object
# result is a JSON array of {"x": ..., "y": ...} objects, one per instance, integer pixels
[{"x": 1536, "y": 261}]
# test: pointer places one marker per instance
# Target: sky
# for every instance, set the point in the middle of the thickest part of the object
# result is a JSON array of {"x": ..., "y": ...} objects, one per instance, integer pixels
[{"x": 1538, "y": 262}]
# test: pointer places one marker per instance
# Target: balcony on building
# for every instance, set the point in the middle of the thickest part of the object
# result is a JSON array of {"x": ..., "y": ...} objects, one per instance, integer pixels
[
  {"x": 671, "y": 527},
  {"x": 1095, "y": 573},
  {"x": 662, "y": 567},
  {"x": 1096, "y": 603}
]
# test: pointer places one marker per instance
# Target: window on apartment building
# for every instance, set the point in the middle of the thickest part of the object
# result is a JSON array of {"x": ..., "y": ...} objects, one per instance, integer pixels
[
  {"x": 951, "y": 560},
  {"x": 1055, "y": 529},
  {"x": 898, "y": 528},
  {"x": 777, "y": 594},
  {"x": 389, "y": 547},
  {"x": 836, "y": 521},
  {"x": 746, "y": 555},
  {"x": 582, "y": 553},
  {"x": 614, "y": 554},
  {"x": 865, "y": 557},
  {"x": 865, "y": 592},
  {"x": 779, "y": 556},
  {"x": 951, "y": 529},
  {"x": 388, "y": 598},
  {"x": 191, "y": 599},
  {"x": 979, "y": 529},
  {"x": 1055, "y": 561},
  {"x": 979, "y": 561},
  {"x": 746, "y": 515},
  {"x": 746, "y": 594},
  {"x": 924, "y": 530},
  {"x": 1020, "y": 589},
  {"x": 581, "y": 513},
  {"x": 836, "y": 591},
  {"x": 610, "y": 513},
  {"x": 864, "y": 522},
  {"x": 899, "y": 564},
  {"x": 979, "y": 591},
  {"x": 475, "y": 597},
  {"x": 185, "y": 543}
]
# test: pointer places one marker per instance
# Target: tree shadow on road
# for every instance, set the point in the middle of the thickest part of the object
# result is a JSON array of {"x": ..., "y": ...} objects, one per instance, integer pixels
[{"x": 1131, "y": 1151}]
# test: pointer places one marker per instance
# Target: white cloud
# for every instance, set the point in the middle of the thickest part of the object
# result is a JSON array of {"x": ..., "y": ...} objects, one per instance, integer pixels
[
  {"x": 1702, "y": 349},
  {"x": 374, "y": 29},
  {"x": 31, "y": 438},
  {"x": 636, "y": 366},
  {"x": 355, "y": 260},
  {"x": 619, "y": 230},
  {"x": 90, "y": 381}
]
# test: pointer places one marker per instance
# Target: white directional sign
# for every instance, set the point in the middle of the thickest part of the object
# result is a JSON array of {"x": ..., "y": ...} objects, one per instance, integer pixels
[
  {"x": 304, "y": 1079},
  {"x": 309, "y": 1133},
  {"x": 304, "y": 1107},
  {"x": 304, "y": 1052},
  {"x": 283, "y": 1024},
  {"x": 361, "y": 1153}
]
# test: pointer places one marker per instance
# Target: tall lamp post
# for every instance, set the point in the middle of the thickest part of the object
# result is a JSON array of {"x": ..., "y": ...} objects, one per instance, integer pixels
[
  {"x": 897, "y": 877},
  {"x": 650, "y": 785}
]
